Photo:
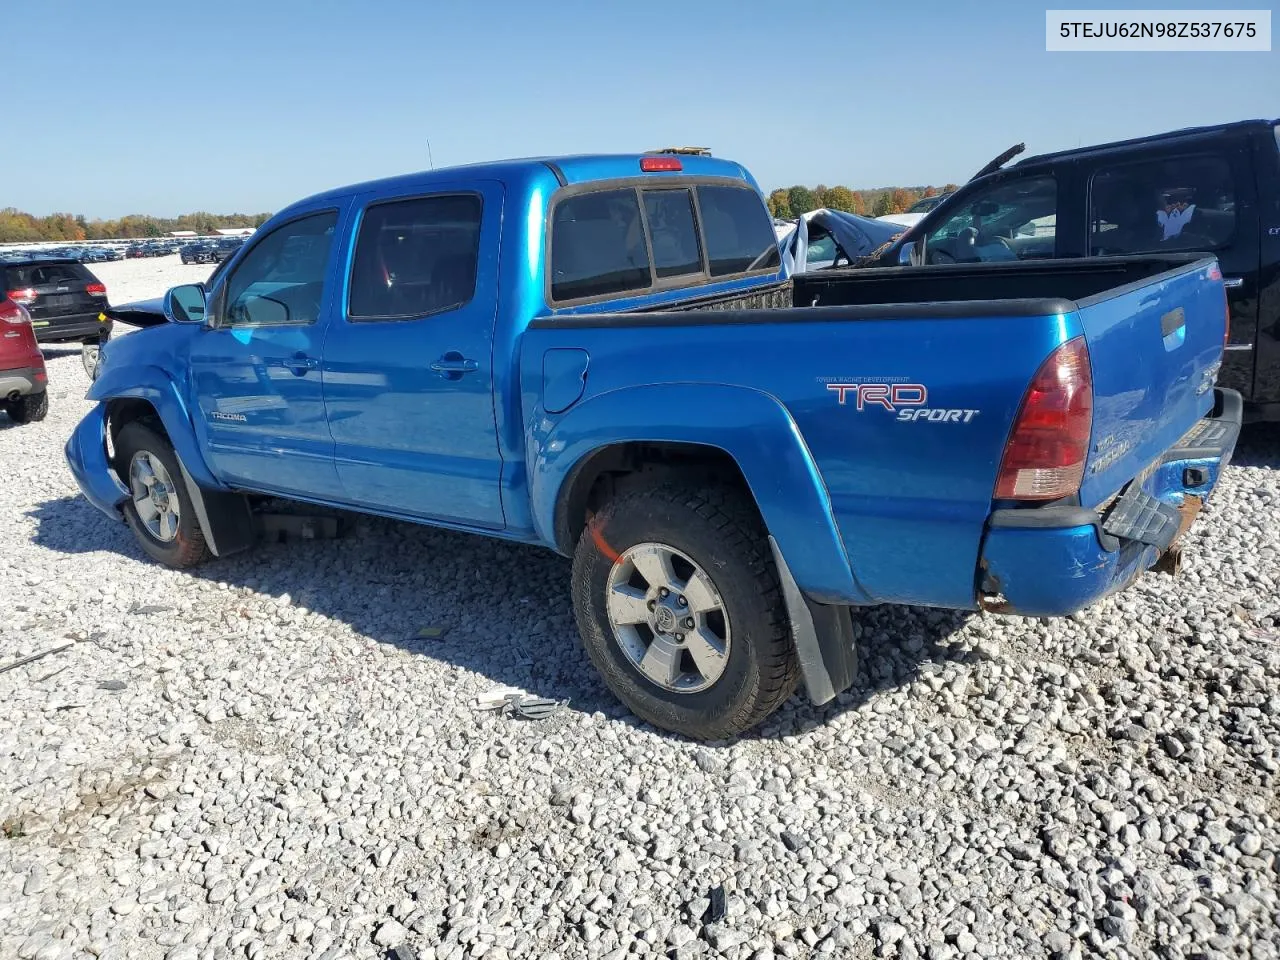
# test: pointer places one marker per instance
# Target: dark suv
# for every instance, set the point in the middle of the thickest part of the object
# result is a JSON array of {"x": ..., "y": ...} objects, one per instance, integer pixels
[
  {"x": 65, "y": 300},
  {"x": 1214, "y": 190}
]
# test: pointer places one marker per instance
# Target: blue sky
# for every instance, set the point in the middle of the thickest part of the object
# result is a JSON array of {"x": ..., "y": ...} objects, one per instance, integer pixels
[{"x": 154, "y": 107}]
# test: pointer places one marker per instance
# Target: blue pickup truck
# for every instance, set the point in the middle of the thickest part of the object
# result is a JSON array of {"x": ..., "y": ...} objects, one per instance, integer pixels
[{"x": 605, "y": 356}]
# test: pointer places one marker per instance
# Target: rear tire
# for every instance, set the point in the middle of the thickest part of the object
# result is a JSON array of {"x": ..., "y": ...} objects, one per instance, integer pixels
[
  {"x": 177, "y": 542},
  {"x": 29, "y": 409},
  {"x": 710, "y": 542}
]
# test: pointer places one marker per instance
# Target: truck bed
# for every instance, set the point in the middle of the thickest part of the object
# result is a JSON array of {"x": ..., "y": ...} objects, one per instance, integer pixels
[
  {"x": 909, "y": 474},
  {"x": 885, "y": 288}
]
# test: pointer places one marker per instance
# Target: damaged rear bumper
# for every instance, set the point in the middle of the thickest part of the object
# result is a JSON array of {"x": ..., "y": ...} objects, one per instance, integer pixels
[{"x": 1056, "y": 560}]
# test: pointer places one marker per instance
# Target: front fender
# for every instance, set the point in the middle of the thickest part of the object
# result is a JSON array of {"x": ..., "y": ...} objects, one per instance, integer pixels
[
  {"x": 752, "y": 427},
  {"x": 154, "y": 385}
]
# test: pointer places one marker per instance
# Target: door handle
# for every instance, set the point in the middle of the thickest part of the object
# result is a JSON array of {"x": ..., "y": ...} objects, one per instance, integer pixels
[
  {"x": 1233, "y": 283},
  {"x": 300, "y": 363},
  {"x": 453, "y": 365}
]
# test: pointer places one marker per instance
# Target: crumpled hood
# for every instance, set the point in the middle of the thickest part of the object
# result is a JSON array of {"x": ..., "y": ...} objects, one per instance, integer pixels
[{"x": 140, "y": 313}]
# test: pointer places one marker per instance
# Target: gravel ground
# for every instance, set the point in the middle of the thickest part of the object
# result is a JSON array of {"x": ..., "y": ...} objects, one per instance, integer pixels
[{"x": 261, "y": 760}]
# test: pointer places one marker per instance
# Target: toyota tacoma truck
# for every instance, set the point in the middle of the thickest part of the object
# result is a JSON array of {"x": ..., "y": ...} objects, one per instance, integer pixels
[{"x": 604, "y": 355}]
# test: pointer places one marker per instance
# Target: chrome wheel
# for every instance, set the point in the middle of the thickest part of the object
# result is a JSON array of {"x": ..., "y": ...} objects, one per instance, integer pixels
[
  {"x": 155, "y": 498},
  {"x": 89, "y": 358},
  {"x": 668, "y": 618}
]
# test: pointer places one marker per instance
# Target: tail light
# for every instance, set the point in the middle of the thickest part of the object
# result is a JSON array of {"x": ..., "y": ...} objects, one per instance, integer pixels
[
  {"x": 23, "y": 296},
  {"x": 13, "y": 313},
  {"x": 1215, "y": 273},
  {"x": 96, "y": 290},
  {"x": 660, "y": 164},
  {"x": 1047, "y": 448}
]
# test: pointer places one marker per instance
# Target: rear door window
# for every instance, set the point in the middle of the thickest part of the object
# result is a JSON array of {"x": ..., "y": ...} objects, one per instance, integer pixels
[
  {"x": 1011, "y": 220},
  {"x": 739, "y": 233},
  {"x": 416, "y": 257},
  {"x": 598, "y": 246},
  {"x": 1183, "y": 202},
  {"x": 674, "y": 235}
]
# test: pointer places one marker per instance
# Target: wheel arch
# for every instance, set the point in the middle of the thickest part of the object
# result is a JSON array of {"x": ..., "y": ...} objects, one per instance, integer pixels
[{"x": 742, "y": 435}]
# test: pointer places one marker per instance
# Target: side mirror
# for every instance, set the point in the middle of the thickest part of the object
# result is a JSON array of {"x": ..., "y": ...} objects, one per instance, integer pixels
[{"x": 185, "y": 304}]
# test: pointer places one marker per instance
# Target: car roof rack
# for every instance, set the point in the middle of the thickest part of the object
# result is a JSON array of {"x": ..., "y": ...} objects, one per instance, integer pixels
[{"x": 692, "y": 151}]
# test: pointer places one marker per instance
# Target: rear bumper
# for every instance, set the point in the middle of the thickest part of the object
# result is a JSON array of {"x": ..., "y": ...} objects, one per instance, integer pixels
[
  {"x": 86, "y": 453},
  {"x": 1054, "y": 561},
  {"x": 22, "y": 381},
  {"x": 76, "y": 326}
]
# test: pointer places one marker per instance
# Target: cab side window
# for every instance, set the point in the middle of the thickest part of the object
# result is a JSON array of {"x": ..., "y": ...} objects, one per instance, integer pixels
[
  {"x": 1013, "y": 220},
  {"x": 416, "y": 257},
  {"x": 280, "y": 281},
  {"x": 1175, "y": 203}
]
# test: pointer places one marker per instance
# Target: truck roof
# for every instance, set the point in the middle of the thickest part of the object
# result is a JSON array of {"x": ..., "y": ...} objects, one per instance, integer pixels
[
  {"x": 581, "y": 168},
  {"x": 1155, "y": 138}
]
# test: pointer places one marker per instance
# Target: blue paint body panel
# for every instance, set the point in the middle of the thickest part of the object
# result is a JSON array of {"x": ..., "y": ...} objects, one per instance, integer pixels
[{"x": 867, "y": 505}]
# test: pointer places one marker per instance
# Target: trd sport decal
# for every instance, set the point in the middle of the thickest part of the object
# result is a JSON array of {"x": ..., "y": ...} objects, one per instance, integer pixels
[{"x": 909, "y": 402}]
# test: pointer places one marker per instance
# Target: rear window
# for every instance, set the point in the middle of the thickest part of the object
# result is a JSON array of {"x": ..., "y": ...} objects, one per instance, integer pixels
[
  {"x": 675, "y": 238},
  {"x": 45, "y": 275},
  {"x": 1174, "y": 203},
  {"x": 598, "y": 246},
  {"x": 416, "y": 257},
  {"x": 739, "y": 233}
]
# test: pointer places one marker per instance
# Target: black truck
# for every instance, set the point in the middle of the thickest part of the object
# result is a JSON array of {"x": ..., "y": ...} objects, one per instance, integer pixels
[{"x": 1212, "y": 189}]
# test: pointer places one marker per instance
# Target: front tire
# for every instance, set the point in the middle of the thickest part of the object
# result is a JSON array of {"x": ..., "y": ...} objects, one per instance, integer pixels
[
  {"x": 90, "y": 357},
  {"x": 30, "y": 408},
  {"x": 680, "y": 609},
  {"x": 159, "y": 510}
]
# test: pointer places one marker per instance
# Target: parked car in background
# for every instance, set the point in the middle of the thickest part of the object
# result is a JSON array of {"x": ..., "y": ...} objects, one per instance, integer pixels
[
  {"x": 825, "y": 239},
  {"x": 916, "y": 212},
  {"x": 605, "y": 356},
  {"x": 63, "y": 297},
  {"x": 201, "y": 251},
  {"x": 1207, "y": 189},
  {"x": 23, "y": 380},
  {"x": 226, "y": 247}
]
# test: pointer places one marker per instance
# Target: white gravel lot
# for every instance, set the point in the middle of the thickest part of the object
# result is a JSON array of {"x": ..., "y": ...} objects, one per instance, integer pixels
[{"x": 259, "y": 760}]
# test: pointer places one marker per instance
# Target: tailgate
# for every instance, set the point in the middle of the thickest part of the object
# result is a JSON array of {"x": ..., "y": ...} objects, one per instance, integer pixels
[{"x": 1155, "y": 347}]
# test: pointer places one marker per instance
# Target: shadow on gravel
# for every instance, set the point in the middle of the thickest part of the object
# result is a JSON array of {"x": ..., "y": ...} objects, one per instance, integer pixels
[
  {"x": 503, "y": 610},
  {"x": 1259, "y": 446},
  {"x": 55, "y": 350}
]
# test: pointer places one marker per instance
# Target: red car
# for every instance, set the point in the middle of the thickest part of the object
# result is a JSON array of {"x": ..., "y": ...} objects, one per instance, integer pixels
[{"x": 22, "y": 375}]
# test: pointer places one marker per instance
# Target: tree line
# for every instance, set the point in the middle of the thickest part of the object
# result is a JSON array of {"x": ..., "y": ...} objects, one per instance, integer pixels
[
  {"x": 789, "y": 202},
  {"x": 19, "y": 227}
]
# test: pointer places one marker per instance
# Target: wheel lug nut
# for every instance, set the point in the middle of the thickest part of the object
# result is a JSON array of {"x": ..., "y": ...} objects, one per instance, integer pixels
[
  {"x": 683, "y": 601},
  {"x": 689, "y": 622},
  {"x": 652, "y": 604},
  {"x": 664, "y": 592},
  {"x": 679, "y": 638}
]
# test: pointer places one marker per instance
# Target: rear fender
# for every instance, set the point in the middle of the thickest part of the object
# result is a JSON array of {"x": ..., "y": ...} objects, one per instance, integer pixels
[
  {"x": 750, "y": 426},
  {"x": 155, "y": 386}
]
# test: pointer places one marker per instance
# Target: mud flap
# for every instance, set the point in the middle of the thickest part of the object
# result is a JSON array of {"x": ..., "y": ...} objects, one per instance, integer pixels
[
  {"x": 225, "y": 518},
  {"x": 823, "y": 636}
]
